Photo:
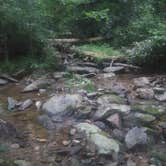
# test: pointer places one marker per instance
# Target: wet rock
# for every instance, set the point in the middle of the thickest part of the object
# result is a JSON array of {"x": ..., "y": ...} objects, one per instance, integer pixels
[
  {"x": 11, "y": 103},
  {"x": 26, "y": 104},
  {"x": 161, "y": 97},
  {"x": 136, "y": 136},
  {"x": 145, "y": 93},
  {"x": 22, "y": 163},
  {"x": 3, "y": 82},
  {"x": 46, "y": 122},
  {"x": 141, "y": 82},
  {"x": 82, "y": 70},
  {"x": 109, "y": 75},
  {"x": 111, "y": 98},
  {"x": 115, "y": 120},
  {"x": 145, "y": 117},
  {"x": 114, "y": 69},
  {"x": 36, "y": 85},
  {"x": 62, "y": 104},
  {"x": 92, "y": 95},
  {"x": 103, "y": 143}
]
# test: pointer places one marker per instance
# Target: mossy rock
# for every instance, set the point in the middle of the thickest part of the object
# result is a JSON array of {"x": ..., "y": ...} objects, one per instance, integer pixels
[
  {"x": 150, "y": 109},
  {"x": 159, "y": 154}
]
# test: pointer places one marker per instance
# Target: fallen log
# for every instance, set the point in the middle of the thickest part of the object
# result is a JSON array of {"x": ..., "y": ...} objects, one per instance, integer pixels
[
  {"x": 76, "y": 40},
  {"x": 127, "y": 65}
]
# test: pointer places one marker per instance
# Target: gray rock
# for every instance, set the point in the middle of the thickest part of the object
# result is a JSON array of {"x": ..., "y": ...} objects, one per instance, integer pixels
[
  {"x": 124, "y": 109},
  {"x": 82, "y": 70},
  {"x": 136, "y": 136},
  {"x": 114, "y": 69},
  {"x": 26, "y": 104},
  {"x": 141, "y": 81},
  {"x": 11, "y": 103},
  {"x": 115, "y": 120},
  {"x": 62, "y": 104},
  {"x": 158, "y": 90},
  {"x": 145, "y": 93},
  {"x": 102, "y": 113},
  {"x": 145, "y": 117},
  {"x": 103, "y": 143},
  {"x": 161, "y": 97},
  {"x": 36, "y": 85},
  {"x": 3, "y": 82},
  {"x": 109, "y": 99}
]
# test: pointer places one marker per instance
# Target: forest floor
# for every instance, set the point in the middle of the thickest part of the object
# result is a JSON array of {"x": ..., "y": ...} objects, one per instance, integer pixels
[{"x": 84, "y": 115}]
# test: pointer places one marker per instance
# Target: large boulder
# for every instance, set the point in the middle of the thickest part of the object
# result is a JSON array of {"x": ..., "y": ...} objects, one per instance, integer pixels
[
  {"x": 103, "y": 143},
  {"x": 62, "y": 104},
  {"x": 136, "y": 136}
]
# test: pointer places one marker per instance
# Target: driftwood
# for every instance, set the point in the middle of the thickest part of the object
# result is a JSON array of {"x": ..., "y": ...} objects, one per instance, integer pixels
[{"x": 76, "y": 40}]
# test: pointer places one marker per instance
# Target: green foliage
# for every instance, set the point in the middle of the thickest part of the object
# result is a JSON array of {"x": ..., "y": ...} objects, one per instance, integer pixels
[
  {"x": 76, "y": 81},
  {"x": 103, "y": 49}
]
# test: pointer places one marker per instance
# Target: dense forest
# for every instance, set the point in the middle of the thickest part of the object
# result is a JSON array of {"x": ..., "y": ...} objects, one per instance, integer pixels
[{"x": 139, "y": 26}]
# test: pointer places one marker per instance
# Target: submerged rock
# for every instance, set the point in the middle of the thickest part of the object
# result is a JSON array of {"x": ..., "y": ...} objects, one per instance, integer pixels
[
  {"x": 103, "y": 143},
  {"x": 46, "y": 122},
  {"x": 62, "y": 104},
  {"x": 136, "y": 136}
]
